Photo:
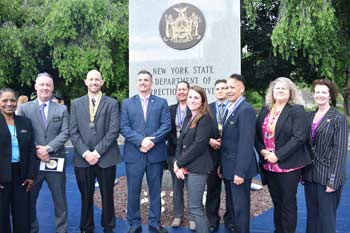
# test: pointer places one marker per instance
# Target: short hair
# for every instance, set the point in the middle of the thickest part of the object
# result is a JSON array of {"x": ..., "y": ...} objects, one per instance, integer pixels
[
  {"x": 7, "y": 89},
  {"x": 294, "y": 97},
  {"x": 220, "y": 81},
  {"x": 238, "y": 77},
  {"x": 183, "y": 81},
  {"x": 145, "y": 72},
  {"x": 333, "y": 90},
  {"x": 44, "y": 74}
]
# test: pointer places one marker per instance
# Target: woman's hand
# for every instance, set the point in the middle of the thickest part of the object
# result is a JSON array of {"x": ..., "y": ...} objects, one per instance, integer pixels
[
  {"x": 329, "y": 189},
  {"x": 29, "y": 183},
  {"x": 271, "y": 157},
  {"x": 180, "y": 174}
]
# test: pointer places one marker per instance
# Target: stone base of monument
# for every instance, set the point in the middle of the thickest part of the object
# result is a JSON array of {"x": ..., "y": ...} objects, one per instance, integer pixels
[{"x": 260, "y": 200}]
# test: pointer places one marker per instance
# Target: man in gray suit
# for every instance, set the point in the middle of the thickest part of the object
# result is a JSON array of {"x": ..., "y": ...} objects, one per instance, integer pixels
[
  {"x": 51, "y": 131},
  {"x": 94, "y": 128}
]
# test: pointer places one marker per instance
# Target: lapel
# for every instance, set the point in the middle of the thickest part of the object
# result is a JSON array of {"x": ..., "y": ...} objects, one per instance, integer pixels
[
  {"x": 100, "y": 106},
  {"x": 19, "y": 128},
  {"x": 326, "y": 120},
  {"x": 138, "y": 105},
  {"x": 151, "y": 102},
  {"x": 51, "y": 110},
  {"x": 4, "y": 126},
  {"x": 281, "y": 119},
  {"x": 233, "y": 114},
  {"x": 213, "y": 111},
  {"x": 36, "y": 108}
]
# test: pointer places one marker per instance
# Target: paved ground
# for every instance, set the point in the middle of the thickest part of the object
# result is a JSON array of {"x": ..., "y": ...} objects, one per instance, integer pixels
[{"x": 260, "y": 224}]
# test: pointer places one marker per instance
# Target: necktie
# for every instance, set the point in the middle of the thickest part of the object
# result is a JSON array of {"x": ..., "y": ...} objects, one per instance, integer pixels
[
  {"x": 42, "y": 112},
  {"x": 144, "y": 107},
  {"x": 221, "y": 111}
]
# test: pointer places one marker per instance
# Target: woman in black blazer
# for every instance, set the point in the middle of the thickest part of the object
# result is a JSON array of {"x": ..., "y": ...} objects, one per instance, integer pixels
[
  {"x": 17, "y": 166},
  {"x": 325, "y": 177},
  {"x": 193, "y": 159},
  {"x": 281, "y": 135},
  {"x": 180, "y": 114}
]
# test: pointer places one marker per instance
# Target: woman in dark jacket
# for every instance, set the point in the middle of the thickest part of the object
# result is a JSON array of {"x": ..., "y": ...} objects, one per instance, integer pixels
[
  {"x": 325, "y": 177},
  {"x": 17, "y": 166},
  {"x": 281, "y": 136},
  {"x": 193, "y": 159}
]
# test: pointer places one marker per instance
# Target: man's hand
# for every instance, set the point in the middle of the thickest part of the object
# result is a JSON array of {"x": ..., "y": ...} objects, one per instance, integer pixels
[
  {"x": 91, "y": 158},
  {"x": 41, "y": 153},
  {"x": 219, "y": 172},
  {"x": 180, "y": 174},
  {"x": 238, "y": 180},
  {"x": 215, "y": 143},
  {"x": 147, "y": 143},
  {"x": 29, "y": 183}
]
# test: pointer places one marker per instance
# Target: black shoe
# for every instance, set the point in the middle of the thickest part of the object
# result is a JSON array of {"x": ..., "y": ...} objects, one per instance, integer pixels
[
  {"x": 135, "y": 230},
  {"x": 158, "y": 229},
  {"x": 213, "y": 228}
]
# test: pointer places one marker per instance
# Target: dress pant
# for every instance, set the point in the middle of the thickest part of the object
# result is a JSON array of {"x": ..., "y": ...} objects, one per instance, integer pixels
[
  {"x": 86, "y": 177},
  {"x": 14, "y": 201},
  {"x": 56, "y": 182},
  {"x": 321, "y": 208},
  {"x": 195, "y": 185},
  {"x": 240, "y": 204},
  {"x": 212, "y": 204},
  {"x": 178, "y": 195},
  {"x": 283, "y": 190},
  {"x": 134, "y": 175}
]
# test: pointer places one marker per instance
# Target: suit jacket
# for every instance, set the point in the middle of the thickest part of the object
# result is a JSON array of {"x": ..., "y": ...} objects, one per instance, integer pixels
[
  {"x": 28, "y": 159},
  {"x": 329, "y": 149},
  {"x": 172, "y": 138},
  {"x": 215, "y": 154},
  {"x": 290, "y": 137},
  {"x": 56, "y": 133},
  {"x": 102, "y": 138},
  {"x": 193, "y": 149},
  {"x": 134, "y": 128},
  {"x": 237, "y": 143}
]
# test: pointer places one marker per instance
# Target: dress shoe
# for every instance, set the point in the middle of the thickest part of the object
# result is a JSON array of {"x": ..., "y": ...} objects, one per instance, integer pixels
[
  {"x": 176, "y": 222},
  {"x": 213, "y": 228},
  {"x": 158, "y": 229},
  {"x": 135, "y": 230},
  {"x": 192, "y": 225}
]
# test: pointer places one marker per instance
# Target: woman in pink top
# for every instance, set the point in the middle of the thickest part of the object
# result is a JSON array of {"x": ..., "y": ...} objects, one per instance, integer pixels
[{"x": 280, "y": 140}]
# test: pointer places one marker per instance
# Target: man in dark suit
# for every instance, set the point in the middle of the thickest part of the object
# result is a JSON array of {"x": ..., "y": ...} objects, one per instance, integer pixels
[
  {"x": 145, "y": 123},
  {"x": 51, "y": 131},
  {"x": 212, "y": 205},
  {"x": 94, "y": 128},
  {"x": 238, "y": 161}
]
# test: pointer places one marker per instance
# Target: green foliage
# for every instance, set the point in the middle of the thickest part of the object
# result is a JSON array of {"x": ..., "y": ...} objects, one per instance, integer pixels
[{"x": 310, "y": 28}]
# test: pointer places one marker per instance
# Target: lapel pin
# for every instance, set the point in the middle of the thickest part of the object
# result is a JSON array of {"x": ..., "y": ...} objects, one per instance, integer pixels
[{"x": 328, "y": 120}]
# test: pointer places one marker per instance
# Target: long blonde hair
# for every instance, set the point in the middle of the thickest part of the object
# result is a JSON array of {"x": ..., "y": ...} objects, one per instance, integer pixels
[{"x": 294, "y": 97}]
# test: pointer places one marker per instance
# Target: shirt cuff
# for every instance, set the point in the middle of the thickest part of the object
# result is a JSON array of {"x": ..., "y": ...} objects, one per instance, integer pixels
[
  {"x": 98, "y": 155},
  {"x": 85, "y": 153}
]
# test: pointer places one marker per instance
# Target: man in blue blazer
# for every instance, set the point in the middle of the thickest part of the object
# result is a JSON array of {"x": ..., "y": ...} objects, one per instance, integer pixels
[
  {"x": 238, "y": 161},
  {"x": 145, "y": 123}
]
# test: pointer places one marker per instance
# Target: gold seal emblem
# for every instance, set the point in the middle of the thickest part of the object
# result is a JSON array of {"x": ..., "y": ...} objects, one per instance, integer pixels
[{"x": 182, "y": 26}]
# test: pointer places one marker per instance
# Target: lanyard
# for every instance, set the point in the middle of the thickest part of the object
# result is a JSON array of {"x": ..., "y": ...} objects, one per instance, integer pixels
[
  {"x": 235, "y": 106},
  {"x": 180, "y": 116},
  {"x": 225, "y": 103}
]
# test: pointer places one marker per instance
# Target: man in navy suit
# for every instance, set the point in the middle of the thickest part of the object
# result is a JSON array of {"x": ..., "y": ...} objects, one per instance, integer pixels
[
  {"x": 145, "y": 123},
  {"x": 238, "y": 161},
  {"x": 212, "y": 206}
]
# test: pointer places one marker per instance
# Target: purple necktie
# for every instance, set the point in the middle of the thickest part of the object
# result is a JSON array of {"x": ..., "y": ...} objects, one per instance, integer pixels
[
  {"x": 42, "y": 112},
  {"x": 144, "y": 107}
]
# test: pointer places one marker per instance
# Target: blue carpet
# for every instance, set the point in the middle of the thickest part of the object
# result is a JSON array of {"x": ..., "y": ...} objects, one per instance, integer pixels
[{"x": 260, "y": 224}]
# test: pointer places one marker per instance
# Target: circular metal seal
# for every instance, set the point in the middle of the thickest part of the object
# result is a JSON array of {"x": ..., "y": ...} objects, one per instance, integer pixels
[{"x": 182, "y": 26}]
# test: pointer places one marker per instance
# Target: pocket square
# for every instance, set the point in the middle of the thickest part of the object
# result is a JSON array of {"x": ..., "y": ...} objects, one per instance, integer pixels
[{"x": 23, "y": 131}]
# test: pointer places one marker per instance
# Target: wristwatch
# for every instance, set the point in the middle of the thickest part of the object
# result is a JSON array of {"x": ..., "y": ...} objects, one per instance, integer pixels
[{"x": 49, "y": 149}]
